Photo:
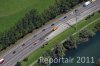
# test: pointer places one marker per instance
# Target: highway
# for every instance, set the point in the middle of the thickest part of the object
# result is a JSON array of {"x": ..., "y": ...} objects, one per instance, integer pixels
[{"x": 41, "y": 37}]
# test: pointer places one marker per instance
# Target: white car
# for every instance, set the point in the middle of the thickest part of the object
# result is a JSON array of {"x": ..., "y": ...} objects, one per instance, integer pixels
[{"x": 86, "y": 3}]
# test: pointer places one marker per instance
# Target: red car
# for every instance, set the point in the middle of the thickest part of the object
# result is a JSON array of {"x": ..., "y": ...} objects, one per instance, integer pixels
[{"x": 1, "y": 61}]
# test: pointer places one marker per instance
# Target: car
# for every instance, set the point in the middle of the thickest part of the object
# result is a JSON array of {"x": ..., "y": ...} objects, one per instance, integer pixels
[
  {"x": 23, "y": 44},
  {"x": 40, "y": 38},
  {"x": 52, "y": 24},
  {"x": 34, "y": 35},
  {"x": 1, "y": 60},
  {"x": 54, "y": 28},
  {"x": 14, "y": 52},
  {"x": 76, "y": 10},
  {"x": 65, "y": 17},
  {"x": 86, "y": 3},
  {"x": 34, "y": 43},
  {"x": 43, "y": 29}
]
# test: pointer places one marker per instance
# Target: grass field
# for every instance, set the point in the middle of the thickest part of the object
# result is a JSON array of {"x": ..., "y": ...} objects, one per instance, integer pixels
[
  {"x": 35, "y": 55},
  {"x": 13, "y": 10}
]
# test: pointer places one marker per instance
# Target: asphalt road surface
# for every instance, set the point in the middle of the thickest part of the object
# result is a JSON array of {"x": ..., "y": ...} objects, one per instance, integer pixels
[{"x": 21, "y": 51}]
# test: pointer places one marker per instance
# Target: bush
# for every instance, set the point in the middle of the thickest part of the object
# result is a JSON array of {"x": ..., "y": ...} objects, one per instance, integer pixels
[
  {"x": 34, "y": 20},
  {"x": 25, "y": 59},
  {"x": 88, "y": 17},
  {"x": 99, "y": 11},
  {"x": 92, "y": 14},
  {"x": 18, "y": 64}
]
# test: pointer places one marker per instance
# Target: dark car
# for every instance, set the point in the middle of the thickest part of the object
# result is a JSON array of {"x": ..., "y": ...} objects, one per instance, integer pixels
[
  {"x": 34, "y": 43},
  {"x": 34, "y": 35},
  {"x": 14, "y": 52},
  {"x": 43, "y": 29},
  {"x": 65, "y": 17},
  {"x": 52, "y": 24},
  {"x": 23, "y": 44}
]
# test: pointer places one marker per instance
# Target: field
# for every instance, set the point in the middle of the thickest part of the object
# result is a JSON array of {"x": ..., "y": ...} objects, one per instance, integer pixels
[
  {"x": 35, "y": 55},
  {"x": 13, "y": 10}
]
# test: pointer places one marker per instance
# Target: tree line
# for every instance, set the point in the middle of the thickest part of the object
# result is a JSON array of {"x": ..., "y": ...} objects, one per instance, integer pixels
[
  {"x": 34, "y": 20},
  {"x": 60, "y": 49},
  {"x": 70, "y": 43}
]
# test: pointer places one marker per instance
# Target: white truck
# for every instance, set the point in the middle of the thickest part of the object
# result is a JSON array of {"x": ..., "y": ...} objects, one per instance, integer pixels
[{"x": 86, "y": 3}]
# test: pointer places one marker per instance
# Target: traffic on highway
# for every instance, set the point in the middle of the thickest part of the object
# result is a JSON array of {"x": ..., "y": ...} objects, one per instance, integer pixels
[{"x": 21, "y": 51}]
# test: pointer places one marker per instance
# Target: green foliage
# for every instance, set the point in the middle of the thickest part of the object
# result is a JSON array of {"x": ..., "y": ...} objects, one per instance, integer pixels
[
  {"x": 57, "y": 52},
  {"x": 18, "y": 64},
  {"x": 34, "y": 20},
  {"x": 99, "y": 11},
  {"x": 25, "y": 59},
  {"x": 14, "y": 10},
  {"x": 70, "y": 43},
  {"x": 56, "y": 40},
  {"x": 97, "y": 26},
  {"x": 88, "y": 17},
  {"x": 86, "y": 33}
]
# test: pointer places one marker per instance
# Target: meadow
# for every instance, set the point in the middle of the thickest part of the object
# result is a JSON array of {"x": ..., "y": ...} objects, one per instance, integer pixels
[{"x": 14, "y": 10}]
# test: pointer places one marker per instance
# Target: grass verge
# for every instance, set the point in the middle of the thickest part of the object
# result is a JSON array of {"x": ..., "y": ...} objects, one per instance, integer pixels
[{"x": 56, "y": 40}]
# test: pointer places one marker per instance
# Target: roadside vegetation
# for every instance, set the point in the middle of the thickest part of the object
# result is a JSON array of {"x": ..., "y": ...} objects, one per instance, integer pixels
[
  {"x": 86, "y": 34},
  {"x": 98, "y": 62},
  {"x": 71, "y": 42},
  {"x": 12, "y": 11},
  {"x": 68, "y": 38},
  {"x": 57, "y": 52},
  {"x": 97, "y": 27},
  {"x": 34, "y": 20},
  {"x": 18, "y": 64}
]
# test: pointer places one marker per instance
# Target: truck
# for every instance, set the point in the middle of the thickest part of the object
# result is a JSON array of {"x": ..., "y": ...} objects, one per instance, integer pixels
[{"x": 86, "y": 3}]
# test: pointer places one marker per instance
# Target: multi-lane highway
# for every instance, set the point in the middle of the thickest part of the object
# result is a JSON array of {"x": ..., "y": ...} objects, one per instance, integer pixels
[{"x": 22, "y": 50}]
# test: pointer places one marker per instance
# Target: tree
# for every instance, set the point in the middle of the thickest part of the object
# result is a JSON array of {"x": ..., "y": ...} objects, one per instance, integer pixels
[
  {"x": 70, "y": 43},
  {"x": 58, "y": 51},
  {"x": 43, "y": 63},
  {"x": 97, "y": 26},
  {"x": 25, "y": 59},
  {"x": 86, "y": 33},
  {"x": 34, "y": 20},
  {"x": 18, "y": 64}
]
